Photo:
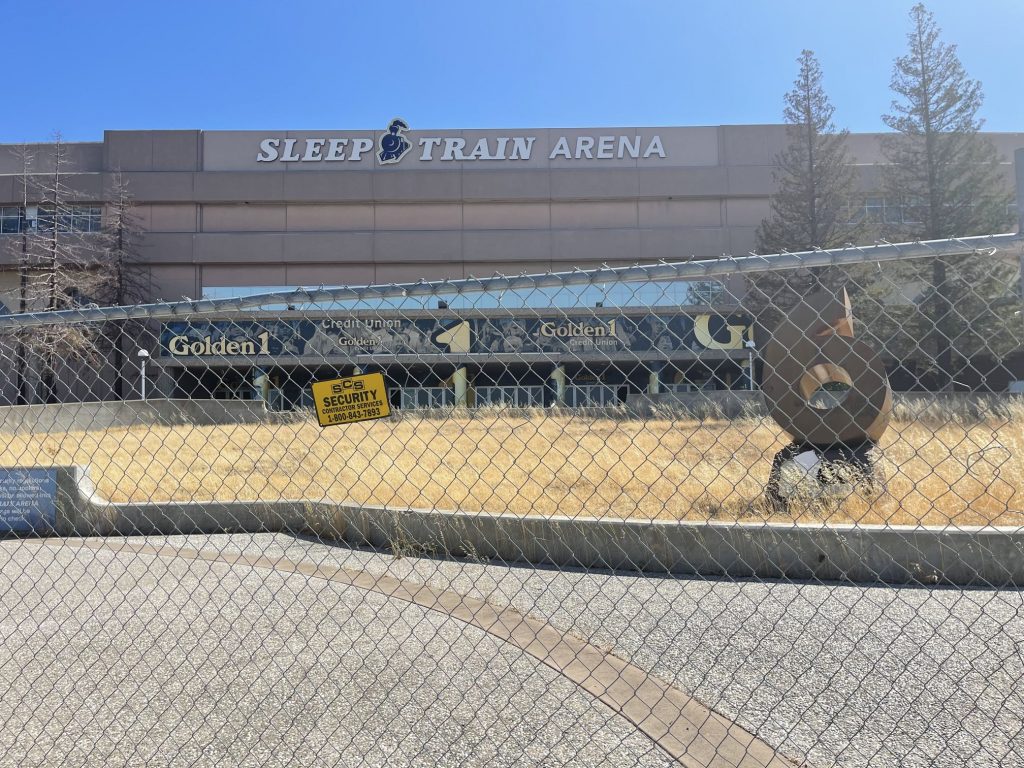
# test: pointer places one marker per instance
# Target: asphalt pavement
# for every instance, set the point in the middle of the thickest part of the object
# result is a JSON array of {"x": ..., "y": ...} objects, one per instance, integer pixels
[{"x": 123, "y": 658}]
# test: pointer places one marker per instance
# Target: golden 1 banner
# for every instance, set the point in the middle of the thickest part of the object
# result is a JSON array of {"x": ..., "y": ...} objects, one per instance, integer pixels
[{"x": 347, "y": 335}]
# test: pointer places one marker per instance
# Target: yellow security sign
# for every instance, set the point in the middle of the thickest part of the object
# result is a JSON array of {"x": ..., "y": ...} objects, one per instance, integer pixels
[{"x": 356, "y": 398}]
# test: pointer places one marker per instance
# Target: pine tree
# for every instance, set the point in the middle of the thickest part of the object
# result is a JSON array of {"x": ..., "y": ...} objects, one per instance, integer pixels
[
  {"x": 944, "y": 174},
  {"x": 816, "y": 184},
  {"x": 815, "y": 178},
  {"x": 946, "y": 179}
]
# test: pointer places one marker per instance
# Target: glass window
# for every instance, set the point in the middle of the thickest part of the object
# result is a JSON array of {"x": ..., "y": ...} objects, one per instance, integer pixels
[
  {"x": 705, "y": 292},
  {"x": 882, "y": 209},
  {"x": 86, "y": 218},
  {"x": 893, "y": 211},
  {"x": 45, "y": 219},
  {"x": 73, "y": 218},
  {"x": 854, "y": 212},
  {"x": 913, "y": 210},
  {"x": 10, "y": 220}
]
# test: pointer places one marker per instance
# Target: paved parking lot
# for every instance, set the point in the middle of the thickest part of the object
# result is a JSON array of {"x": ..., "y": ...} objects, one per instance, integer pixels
[{"x": 125, "y": 658}]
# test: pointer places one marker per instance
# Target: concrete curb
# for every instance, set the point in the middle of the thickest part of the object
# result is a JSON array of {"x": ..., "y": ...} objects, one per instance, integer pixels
[{"x": 969, "y": 556}]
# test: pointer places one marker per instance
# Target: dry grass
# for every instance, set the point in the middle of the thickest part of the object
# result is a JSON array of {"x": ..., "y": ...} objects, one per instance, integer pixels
[{"x": 945, "y": 469}]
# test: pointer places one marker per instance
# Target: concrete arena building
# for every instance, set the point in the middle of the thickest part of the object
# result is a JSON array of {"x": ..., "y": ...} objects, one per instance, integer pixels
[{"x": 227, "y": 213}]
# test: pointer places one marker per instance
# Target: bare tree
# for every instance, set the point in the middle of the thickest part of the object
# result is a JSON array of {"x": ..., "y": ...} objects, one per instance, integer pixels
[
  {"x": 68, "y": 259},
  {"x": 25, "y": 157},
  {"x": 58, "y": 266},
  {"x": 123, "y": 277}
]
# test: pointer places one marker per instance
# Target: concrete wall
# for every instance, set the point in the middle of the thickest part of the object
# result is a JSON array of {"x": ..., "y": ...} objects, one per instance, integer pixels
[
  {"x": 928, "y": 406},
  {"x": 729, "y": 404},
  {"x": 73, "y": 417},
  {"x": 981, "y": 557}
]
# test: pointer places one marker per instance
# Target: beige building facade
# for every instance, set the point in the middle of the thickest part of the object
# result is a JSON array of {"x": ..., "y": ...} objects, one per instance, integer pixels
[
  {"x": 297, "y": 208},
  {"x": 226, "y": 213}
]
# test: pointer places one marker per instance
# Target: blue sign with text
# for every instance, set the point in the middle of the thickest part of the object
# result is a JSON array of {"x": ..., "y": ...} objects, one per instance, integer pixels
[{"x": 27, "y": 500}]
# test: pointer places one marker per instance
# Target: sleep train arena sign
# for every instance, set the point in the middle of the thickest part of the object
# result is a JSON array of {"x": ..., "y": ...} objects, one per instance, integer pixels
[{"x": 394, "y": 144}]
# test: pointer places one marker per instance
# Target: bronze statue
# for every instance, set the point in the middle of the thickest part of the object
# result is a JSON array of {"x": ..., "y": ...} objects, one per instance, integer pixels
[{"x": 812, "y": 346}]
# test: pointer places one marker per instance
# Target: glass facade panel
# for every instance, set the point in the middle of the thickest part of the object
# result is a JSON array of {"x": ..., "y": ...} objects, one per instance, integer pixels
[{"x": 662, "y": 293}]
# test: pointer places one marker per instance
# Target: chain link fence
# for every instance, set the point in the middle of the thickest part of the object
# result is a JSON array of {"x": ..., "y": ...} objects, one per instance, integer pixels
[{"x": 749, "y": 512}]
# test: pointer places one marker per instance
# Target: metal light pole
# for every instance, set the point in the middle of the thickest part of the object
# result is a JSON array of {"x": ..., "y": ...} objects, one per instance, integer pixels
[
  {"x": 143, "y": 356},
  {"x": 751, "y": 346}
]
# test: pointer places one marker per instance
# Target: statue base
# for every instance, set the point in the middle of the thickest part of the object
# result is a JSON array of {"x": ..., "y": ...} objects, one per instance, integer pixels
[{"x": 813, "y": 471}]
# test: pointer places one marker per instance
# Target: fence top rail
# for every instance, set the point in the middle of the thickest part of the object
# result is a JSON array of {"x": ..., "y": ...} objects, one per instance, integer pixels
[{"x": 723, "y": 266}]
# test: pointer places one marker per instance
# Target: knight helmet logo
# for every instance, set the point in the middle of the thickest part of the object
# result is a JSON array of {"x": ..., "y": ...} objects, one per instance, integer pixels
[{"x": 393, "y": 145}]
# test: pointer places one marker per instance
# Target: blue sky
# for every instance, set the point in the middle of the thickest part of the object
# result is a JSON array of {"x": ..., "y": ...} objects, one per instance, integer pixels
[{"x": 237, "y": 64}]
